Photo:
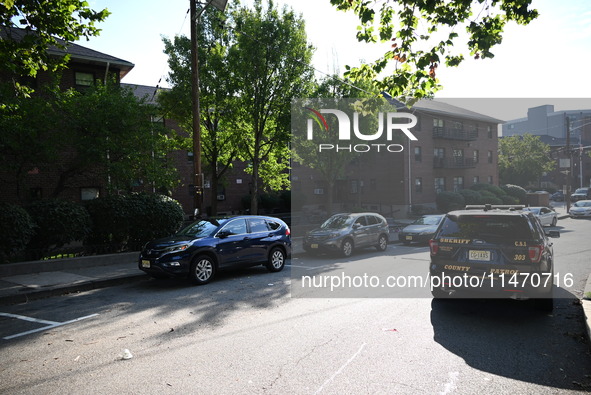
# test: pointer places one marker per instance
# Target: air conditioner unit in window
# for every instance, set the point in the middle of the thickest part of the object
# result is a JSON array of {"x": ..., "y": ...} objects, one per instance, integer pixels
[{"x": 221, "y": 197}]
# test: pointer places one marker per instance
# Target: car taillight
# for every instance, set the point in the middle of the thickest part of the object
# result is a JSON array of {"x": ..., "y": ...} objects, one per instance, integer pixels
[
  {"x": 287, "y": 231},
  {"x": 535, "y": 253},
  {"x": 434, "y": 245}
]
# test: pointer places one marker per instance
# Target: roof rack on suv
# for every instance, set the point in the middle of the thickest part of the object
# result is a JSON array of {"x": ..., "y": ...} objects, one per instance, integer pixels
[{"x": 487, "y": 207}]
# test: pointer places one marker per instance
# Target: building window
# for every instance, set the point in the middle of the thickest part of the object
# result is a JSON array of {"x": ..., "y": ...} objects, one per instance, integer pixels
[
  {"x": 418, "y": 184},
  {"x": 190, "y": 156},
  {"x": 438, "y": 156},
  {"x": 354, "y": 186},
  {"x": 458, "y": 156},
  {"x": 84, "y": 79},
  {"x": 490, "y": 157},
  {"x": 89, "y": 193},
  {"x": 489, "y": 130},
  {"x": 437, "y": 123},
  {"x": 418, "y": 155},
  {"x": 439, "y": 184},
  {"x": 476, "y": 156},
  {"x": 476, "y": 180},
  {"x": 373, "y": 185},
  {"x": 490, "y": 179},
  {"x": 458, "y": 183}
]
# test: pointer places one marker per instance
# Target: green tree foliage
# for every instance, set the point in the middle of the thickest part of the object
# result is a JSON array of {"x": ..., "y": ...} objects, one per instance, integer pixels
[
  {"x": 54, "y": 23},
  {"x": 104, "y": 132},
  {"x": 425, "y": 34},
  {"x": 270, "y": 58},
  {"x": 330, "y": 164},
  {"x": 523, "y": 159},
  {"x": 59, "y": 222},
  {"x": 16, "y": 230},
  {"x": 219, "y": 135}
]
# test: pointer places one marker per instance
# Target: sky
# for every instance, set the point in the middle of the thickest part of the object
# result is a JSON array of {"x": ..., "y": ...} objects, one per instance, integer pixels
[{"x": 547, "y": 60}]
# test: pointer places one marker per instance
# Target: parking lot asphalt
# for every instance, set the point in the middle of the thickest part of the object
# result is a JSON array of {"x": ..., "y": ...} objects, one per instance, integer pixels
[{"x": 25, "y": 281}]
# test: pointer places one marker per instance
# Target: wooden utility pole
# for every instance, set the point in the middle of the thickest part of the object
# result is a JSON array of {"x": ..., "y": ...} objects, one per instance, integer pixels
[
  {"x": 197, "y": 175},
  {"x": 570, "y": 165}
]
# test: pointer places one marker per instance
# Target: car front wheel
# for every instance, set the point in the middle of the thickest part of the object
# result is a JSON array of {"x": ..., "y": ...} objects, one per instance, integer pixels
[
  {"x": 202, "y": 270},
  {"x": 276, "y": 261},
  {"x": 382, "y": 243},
  {"x": 347, "y": 248}
]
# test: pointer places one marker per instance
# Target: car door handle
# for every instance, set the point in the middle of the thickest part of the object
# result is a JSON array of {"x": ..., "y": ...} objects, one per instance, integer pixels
[{"x": 246, "y": 238}]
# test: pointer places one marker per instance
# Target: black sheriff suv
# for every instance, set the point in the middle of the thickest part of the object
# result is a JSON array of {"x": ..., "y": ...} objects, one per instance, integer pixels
[{"x": 496, "y": 251}]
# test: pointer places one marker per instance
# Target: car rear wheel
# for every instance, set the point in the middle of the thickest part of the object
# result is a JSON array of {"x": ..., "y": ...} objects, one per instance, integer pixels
[
  {"x": 276, "y": 261},
  {"x": 554, "y": 220},
  {"x": 347, "y": 248},
  {"x": 382, "y": 243},
  {"x": 202, "y": 270}
]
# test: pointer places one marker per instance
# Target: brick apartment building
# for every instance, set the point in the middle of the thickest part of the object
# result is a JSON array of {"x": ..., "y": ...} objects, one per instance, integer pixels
[
  {"x": 84, "y": 68},
  {"x": 455, "y": 148}
]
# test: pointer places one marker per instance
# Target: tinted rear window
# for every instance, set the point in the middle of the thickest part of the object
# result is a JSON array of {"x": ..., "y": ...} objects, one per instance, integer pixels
[{"x": 486, "y": 227}]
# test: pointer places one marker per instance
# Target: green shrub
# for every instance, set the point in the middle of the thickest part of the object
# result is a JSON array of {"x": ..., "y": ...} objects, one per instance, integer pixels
[
  {"x": 153, "y": 216},
  {"x": 516, "y": 191},
  {"x": 59, "y": 222},
  {"x": 470, "y": 196},
  {"x": 495, "y": 190},
  {"x": 16, "y": 230},
  {"x": 449, "y": 201},
  {"x": 110, "y": 220},
  {"x": 508, "y": 199},
  {"x": 488, "y": 197}
]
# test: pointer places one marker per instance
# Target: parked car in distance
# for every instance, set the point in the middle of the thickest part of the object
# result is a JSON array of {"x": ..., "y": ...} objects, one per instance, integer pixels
[
  {"x": 203, "y": 248},
  {"x": 421, "y": 230},
  {"x": 557, "y": 196},
  {"x": 547, "y": 216},
  {"x": 580, "y": 209},
  {"x": 581, "y": 194},
  {"x": 345, "y": 232}
]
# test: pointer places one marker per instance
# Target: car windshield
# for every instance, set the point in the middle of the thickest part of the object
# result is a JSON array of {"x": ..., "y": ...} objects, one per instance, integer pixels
[
  {"x": 583, "y": 203},
  {"x": 337, "y": 222},
  {"x": 202, "y": 228},
  {"x": 485, "y": 227},
  {"x": 428, "y": 220}
]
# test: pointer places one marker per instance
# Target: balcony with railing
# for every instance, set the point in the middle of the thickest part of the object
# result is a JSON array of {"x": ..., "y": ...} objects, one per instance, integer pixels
[
  {"x": 440, "y": 132},
  {"x": 453, "y": 163}
]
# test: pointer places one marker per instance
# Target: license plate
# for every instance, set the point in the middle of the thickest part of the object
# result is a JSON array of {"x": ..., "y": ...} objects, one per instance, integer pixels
[
  {"x": 313, "y": 245},
  {"x": 145, "y": 263},
  {"x": 475, "y": 255},
  {"x": 408, "y": 237}
]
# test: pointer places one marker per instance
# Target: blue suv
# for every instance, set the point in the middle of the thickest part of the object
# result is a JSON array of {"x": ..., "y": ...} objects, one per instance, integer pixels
[{"x": 204, "y": 247}]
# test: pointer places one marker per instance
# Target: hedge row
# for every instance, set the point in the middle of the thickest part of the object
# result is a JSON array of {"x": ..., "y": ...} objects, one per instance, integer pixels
[
  {"x": 114, "y": 221},
  {"x": 481, "y": 194}
]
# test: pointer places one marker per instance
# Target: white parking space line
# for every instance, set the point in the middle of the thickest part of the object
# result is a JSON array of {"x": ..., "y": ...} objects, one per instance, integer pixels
[
  {"x": 319, "y": 390},
  {"x": 49, "y": 324}
]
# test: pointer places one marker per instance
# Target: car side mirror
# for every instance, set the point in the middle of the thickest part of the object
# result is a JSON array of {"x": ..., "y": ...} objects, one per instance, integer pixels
[
  {"x": 222, "y": 234},
  {"x": 553, "y": 233}
]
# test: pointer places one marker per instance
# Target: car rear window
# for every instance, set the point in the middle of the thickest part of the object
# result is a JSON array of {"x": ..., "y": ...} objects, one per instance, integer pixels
[{"x": 486, "y": 227}]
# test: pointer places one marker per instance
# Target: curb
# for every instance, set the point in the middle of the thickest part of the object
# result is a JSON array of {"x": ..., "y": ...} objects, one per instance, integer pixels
[{"x": 34, "y": 294}]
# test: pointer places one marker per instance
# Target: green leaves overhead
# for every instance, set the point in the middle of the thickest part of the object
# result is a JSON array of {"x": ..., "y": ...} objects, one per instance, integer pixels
[
  {"x": 426, "y": 33},
  {"x": 54, "y": 22}
]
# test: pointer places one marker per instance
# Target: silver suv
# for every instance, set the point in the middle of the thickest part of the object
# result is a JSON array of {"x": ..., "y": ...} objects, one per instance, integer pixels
[{"x": 343, "y": 233}]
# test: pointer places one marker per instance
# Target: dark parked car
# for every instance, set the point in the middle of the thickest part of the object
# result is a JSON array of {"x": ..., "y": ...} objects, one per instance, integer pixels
[
  {"x": 557, "y": 196},
  {"x": 421, "y": 230},
  {"x": 209, "y": 245},
  {"x": 345, "y": 232},
  {"x": 581, "y": 194},
  {"x": 497, "y": 251}
]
